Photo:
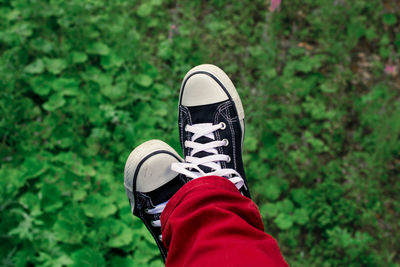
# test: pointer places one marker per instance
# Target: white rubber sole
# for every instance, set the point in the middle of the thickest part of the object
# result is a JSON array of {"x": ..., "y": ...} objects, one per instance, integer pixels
[
  {"x": 225, "y": 81},
  {"x": 151, "y": 163}
]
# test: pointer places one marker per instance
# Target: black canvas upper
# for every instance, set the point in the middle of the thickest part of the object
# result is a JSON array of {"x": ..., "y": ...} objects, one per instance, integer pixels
[{"x": 224, "y": 111}]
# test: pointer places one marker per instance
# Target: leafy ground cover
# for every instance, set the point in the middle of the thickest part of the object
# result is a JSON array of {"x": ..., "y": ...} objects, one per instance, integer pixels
[{"x": 84, "y": 82}]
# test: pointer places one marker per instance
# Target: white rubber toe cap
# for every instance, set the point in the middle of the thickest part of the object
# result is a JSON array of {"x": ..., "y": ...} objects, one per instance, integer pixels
[
  {"x": 202, "y": 89},
  {"x": 208, "y": 84},
  {"x": 151, "y": 161}
]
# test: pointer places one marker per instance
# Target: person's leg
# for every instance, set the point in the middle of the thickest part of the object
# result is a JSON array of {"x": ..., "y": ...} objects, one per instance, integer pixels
[
  {"x": 212, "y": 221},
  {"x": 209, "y": 223},
  {"x": 206, "y": 222}
]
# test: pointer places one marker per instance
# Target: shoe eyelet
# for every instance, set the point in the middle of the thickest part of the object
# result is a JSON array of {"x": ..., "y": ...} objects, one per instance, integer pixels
[
  {"x": 152, "y": 224},
  {"x": 160, "y": 237},
  {"x": 229, "y": 159},
  {"x": 223, "y": 125},
  {"x": 146, "y": 210},
  {"x": 226, "y": 142}
]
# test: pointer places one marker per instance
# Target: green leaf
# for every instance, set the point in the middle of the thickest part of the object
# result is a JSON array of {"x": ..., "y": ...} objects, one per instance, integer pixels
[
  {"x": 114, "y": 91},
  {"x": 118, "y": 234},
  {"x": 397, "y": 42},
  {"x": 147, "y": 248},
  {"x": 98, "y": 48},
  {"x": 88, "y": 257},
  {"x": 24, "y": 228},
  {"x": 299, "y": 195},
  {"x": 40, "y": 85},
  {"x": 156, "y": 2},
  {"x": 124, "y": 213},
  {"x": 385, "y": 40},
  {"x": 389, "y": 19},
  {"x": 284, "y": 221},
  {"x": 269, "y": 141},
  {"x": 42, "y": 45},
  {"x": 51, "y": 198},
  {"x": 24, "y": 29},
  {"x": 271, "y": 73},
  {"x": 118, "y": 261},
  {"x": 328, "y": 87},
  {"x": 34, "y": 167},
  {"x": 54, "y": 260},
  {"x": 143, "y": 80},
  {"x": 97, "y": 206},
  {"x": 157, "y": 263},
  {"x": 56, "y": 101},
  {"x": 272, "y": 191},
  {"x": 82, "y": 170},
  {"x": 66, "y": 86},
  {"x": 78, "y": 57},
  {"x": 144, "y": 9},
  {"x": 251, "y": 143},
  {"x": 384, "y": 52},
  {"x": 270, "y": 210},
  {"x": 55, "y": 65},
  {"x": 31, "y": 201},
  {"x": 35, "y": 67},
  {"x": 65, "y": 142},
  {"x": 165, "y": 50},
  {"x": 123, "y": 238},
  {"x": 79, "y": 195},
  {"x": 371, "y": 34},
  {"x": 163, "y": 91},
  {"x": 300, "y": 216},
  {"x": 285, "y": 206},
  {"x": 70, "y": 225},
  {"x": 111, "y": 60}
]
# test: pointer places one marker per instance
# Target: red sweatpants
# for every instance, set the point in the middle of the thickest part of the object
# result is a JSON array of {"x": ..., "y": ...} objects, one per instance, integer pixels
[{"x": 209, "y": 223}]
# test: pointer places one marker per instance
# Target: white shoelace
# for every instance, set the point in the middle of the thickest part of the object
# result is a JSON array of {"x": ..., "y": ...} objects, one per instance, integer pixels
[
  {"x": 157, "y": 210},
  {"x": 190, "y": 167}
]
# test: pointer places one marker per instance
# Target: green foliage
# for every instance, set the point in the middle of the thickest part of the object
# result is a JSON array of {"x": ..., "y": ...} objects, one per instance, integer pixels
[{"x": 84, "y": 82}]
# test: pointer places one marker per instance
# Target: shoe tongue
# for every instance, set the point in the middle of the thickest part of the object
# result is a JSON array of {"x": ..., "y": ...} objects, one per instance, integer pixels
[
  {"x": 166, "y": 191},
  {"x": 203, "y": 113}
]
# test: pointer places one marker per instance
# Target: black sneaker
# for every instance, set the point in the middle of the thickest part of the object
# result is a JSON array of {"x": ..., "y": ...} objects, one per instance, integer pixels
[
  {"x": 211, "y": 126},
  {"x": 150, "y": 183}
]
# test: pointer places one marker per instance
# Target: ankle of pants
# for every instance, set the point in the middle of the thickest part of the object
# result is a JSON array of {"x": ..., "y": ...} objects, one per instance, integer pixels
[{"x": 209, "y": 223}]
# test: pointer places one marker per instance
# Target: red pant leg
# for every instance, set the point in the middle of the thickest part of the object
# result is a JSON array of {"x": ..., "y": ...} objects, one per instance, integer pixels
[{"x": 209, "y": 223}]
